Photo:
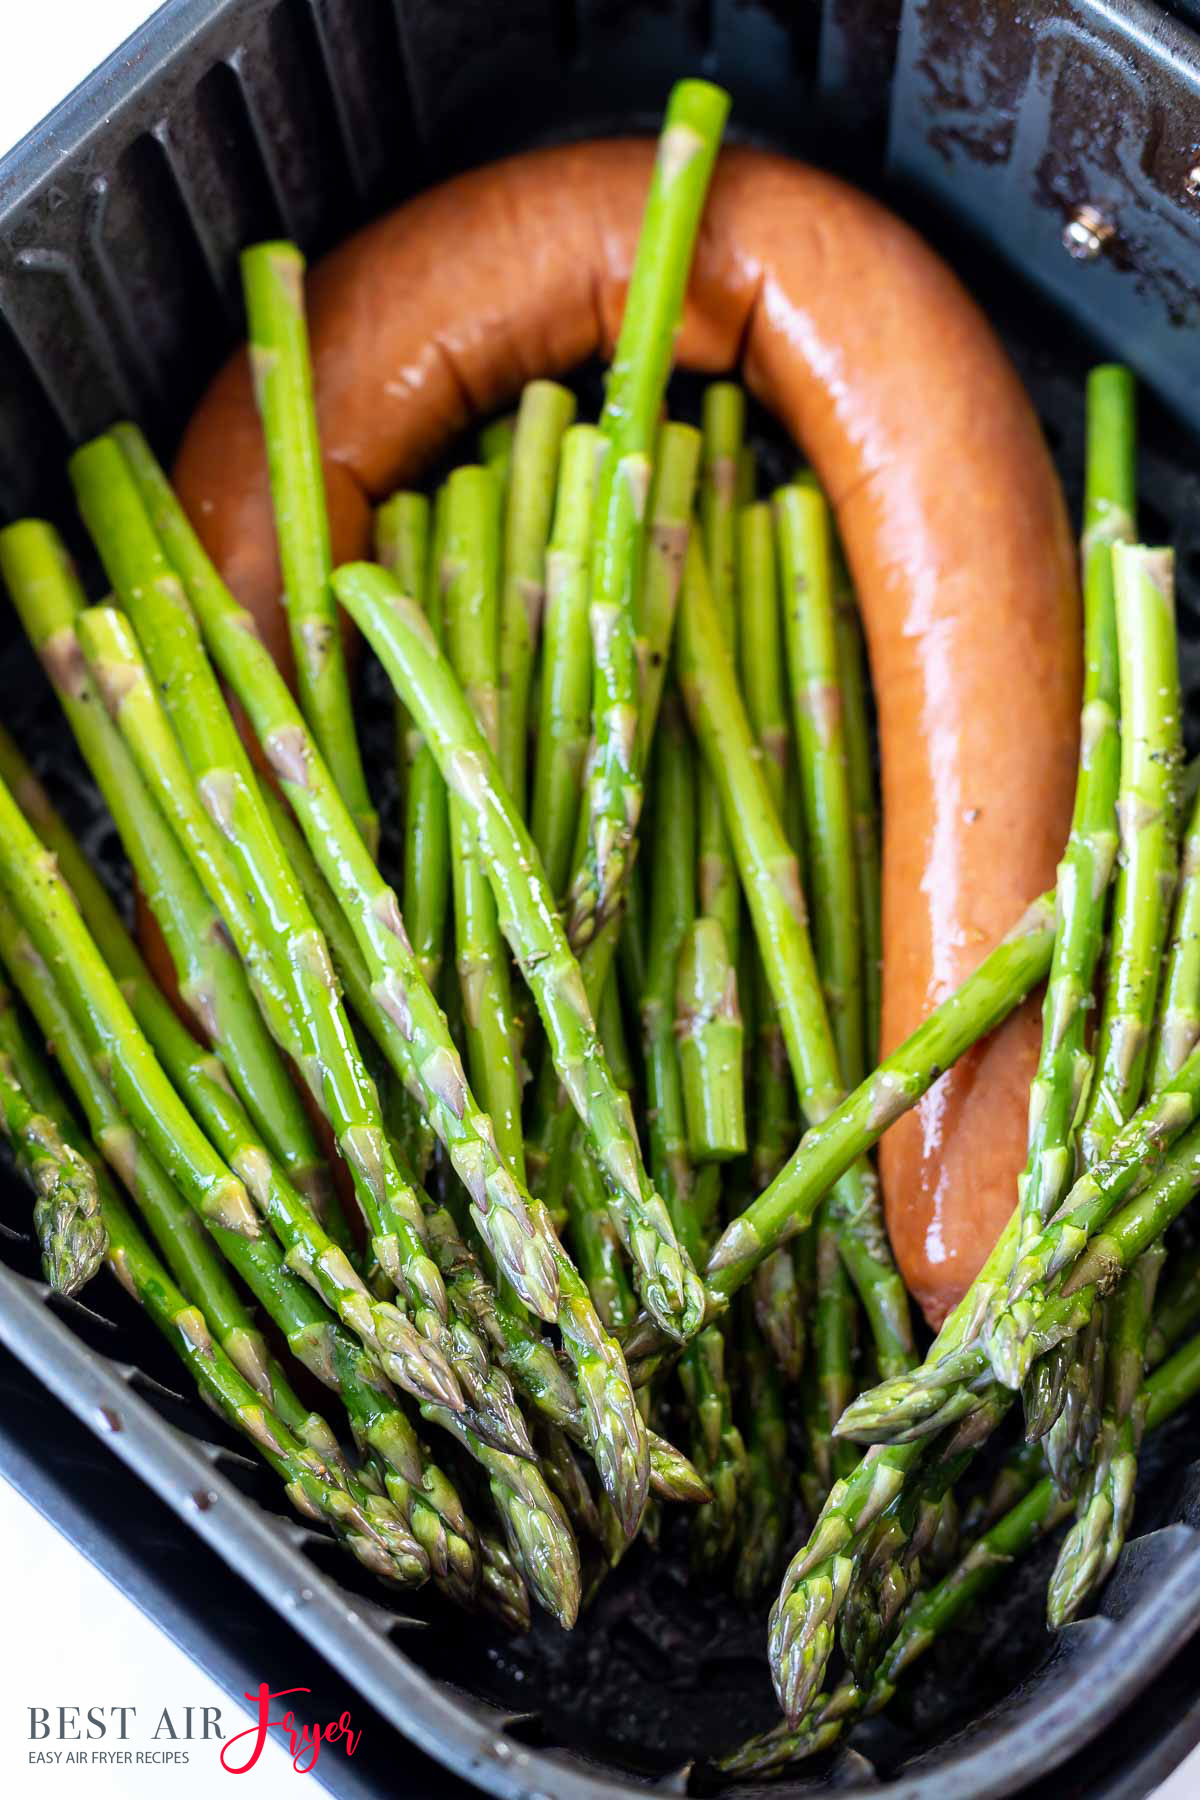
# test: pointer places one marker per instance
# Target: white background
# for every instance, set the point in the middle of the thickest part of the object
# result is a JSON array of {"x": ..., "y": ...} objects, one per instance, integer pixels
[{"x": 63, "y": 1624}]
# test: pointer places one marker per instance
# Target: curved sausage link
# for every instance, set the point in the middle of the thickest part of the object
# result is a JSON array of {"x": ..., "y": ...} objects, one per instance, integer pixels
[{"x": 865, "y": 346}]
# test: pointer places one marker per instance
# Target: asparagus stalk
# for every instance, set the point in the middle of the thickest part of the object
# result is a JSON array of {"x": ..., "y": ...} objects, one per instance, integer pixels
[
  {"x": 1105, "y": 1500},
  {"x": 521, "y": 1239},
  {"x": 223, "y": 824},
  {"x": 1064, "y": 1074},
  {"x": 1178, "y": 1026},
  {"x": 709, "y": 1012},
  {"x": 769, "y": 877},
  {"x": 563, "y": 722},
  {"x": 761, "y": 665},
  {"x": 332, "y": 1353},
  {"x": 414, "y": 1030},
  {"x": 717, "y": 1447},
  {"x": 1065, "y": 1416},
  {"x": 1177, "y": 1306},
  {"x": 426, "y": 816},
  {"x": 382, "y": 1431},
  {"x": 766, "y": 1503},
  {"x": 545, "y": 412},
  {"x": 852, "y": 682},
  {"x": 251, "y": 1392},
  {"x": 1151, "y": 753},
  {"x": 1064, "y": 1069},
  {"x": 676, "y": 461},
  {"x": 470, "y": 600},
  {"x": 496, "y": 446},
  {"x": 810, "y": 632},
  {"x": 596, "y": 1245},
  {"x": 708, "y": 1025},
  {"x": 687, "y": 148},
  {"x": 777, "y": 1301},
  {"x": 212, "y": 981},
  {"x": 602, "y": 1417},
  {"x": 67, "y": 1219},
  {"x": 723, "y": 411},
  {"x": 273, "y": 286},
  {"x": 503, "y": 1592},
  {"x": 668, "y": 1284},
  {"x": 394, "y": 1216},
  {"x": 365, "y": 1523},
  {"x": 401, "y": 543},
  {"x": 547, "y": 1145},
  {"x": 819, "y": 1577},
  {"x": 912, "y": 1406},
  {"x": 1034, "y": 1515}
]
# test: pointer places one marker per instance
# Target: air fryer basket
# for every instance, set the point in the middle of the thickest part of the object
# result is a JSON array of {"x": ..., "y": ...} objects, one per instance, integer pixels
[{"x": 120, "y": 219}]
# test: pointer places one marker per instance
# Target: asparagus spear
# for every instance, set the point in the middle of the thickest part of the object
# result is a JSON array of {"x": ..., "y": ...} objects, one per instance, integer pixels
[
  {"x": 852, "y": 681},
  {"x": 1105, "y": 1499},
  {"x": 496, "y": 446},
  {"x": 717, "y": 1447},
  {"x": 708, "y": 1007},
  {"x": 426, "y": 817},
  {"x": 520, "y": 1238},
  {"x": 396, "y": 1222},
  {"x": 67, "y": 1217},
  {"x": 414, "y": 1033},
  {"x": 1114, "y": 1236},
  {"x": 319, "y": 1482},
  {"x": 551, "y": 1127},
  {"x": 545, "y": 412},
  {"x": 766, "y": 1505},
  {"x": 1177, "y": 1306},
  {"x": 401, "y": 543},
  {"x": 332, "y": 1354},
  {"x": 1150, "y": 754},
  {"x": 708, "y": 1026},
  {"x": 224, "y": 825},
  {"x": 668, "y": 1284},
  {"x": 676, "y": 460},
  {"x": 503, "y": 1592},
  {"x": 769, "y": 878},
  {"x": 687, "y": 148},
  {"x": 1178, "y": 1025},
  {"x": 532, "y": 1520},
  {"x": 777, "y": 1299},
  {"x": 1064, "y": 1069},
  {"x": 563, "y": 723},
  {"x": 602, "y": 1415},
  {"x": 810, "y": 633},
  {"x": 984, "y": 999},
  {"x": 212, "y": 981},
  {"x": 1065, "y": 1411},
  {"x": 413, "y": 1482},
  {"x": 469, "y": 585},
  {"x": 273, "y": 287},
  {"x": 1064, "y": 1072},
  {"x": 936, "y": 1611}
]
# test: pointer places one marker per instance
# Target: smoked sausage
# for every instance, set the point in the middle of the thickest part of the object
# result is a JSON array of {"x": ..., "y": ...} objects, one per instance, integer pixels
[{"x": 890, "y": 380}]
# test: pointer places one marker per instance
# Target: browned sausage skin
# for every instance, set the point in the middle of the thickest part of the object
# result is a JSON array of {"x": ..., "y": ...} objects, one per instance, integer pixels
[{"x": 873, "y": 357}]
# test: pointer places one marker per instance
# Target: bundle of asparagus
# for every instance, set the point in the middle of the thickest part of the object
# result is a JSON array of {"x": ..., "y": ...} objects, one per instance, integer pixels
[{"x": 592, "y": 627}]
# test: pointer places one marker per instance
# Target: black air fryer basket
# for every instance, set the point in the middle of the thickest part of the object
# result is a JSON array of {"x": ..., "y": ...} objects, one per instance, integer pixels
[{"x": 1053, "y": 153}]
